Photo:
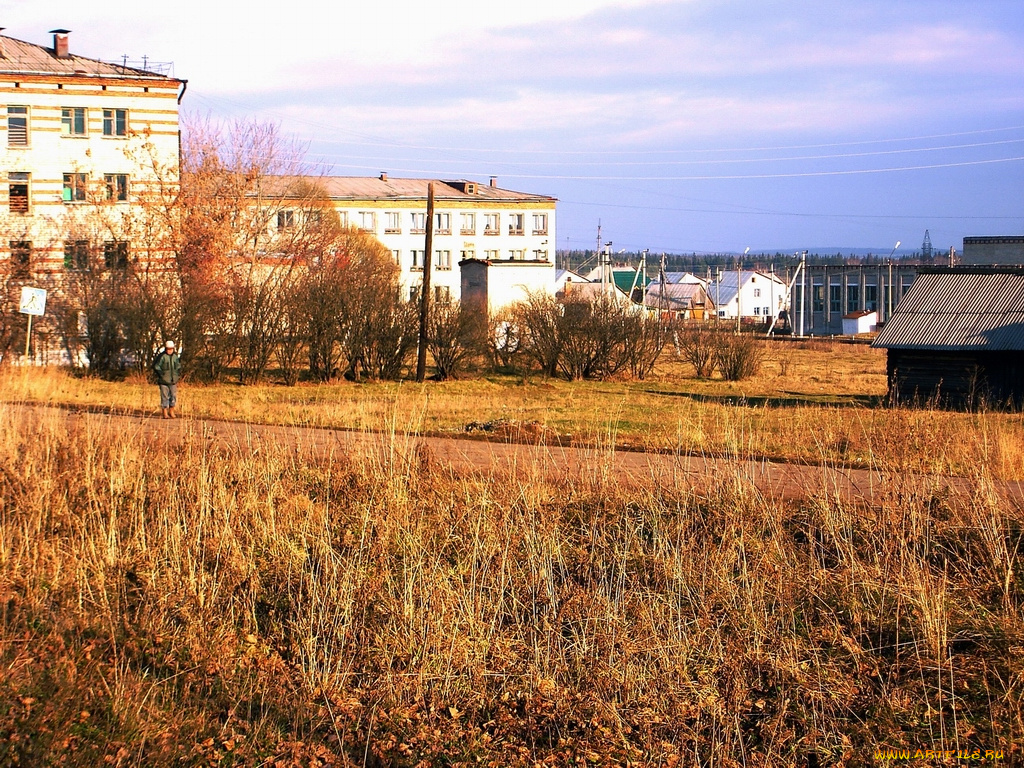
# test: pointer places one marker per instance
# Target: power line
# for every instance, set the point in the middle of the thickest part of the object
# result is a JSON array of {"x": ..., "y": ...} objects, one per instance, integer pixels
[
  {"x": 526, "y": 163},
  {"x": 374, "y": 140},
  {"x": 755, "y": 212},
  {"x": 706, "y": 177}
]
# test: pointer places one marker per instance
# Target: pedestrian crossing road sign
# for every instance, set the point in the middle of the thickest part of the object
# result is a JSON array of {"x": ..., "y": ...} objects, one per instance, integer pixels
[{"x": 33, "y": 301}]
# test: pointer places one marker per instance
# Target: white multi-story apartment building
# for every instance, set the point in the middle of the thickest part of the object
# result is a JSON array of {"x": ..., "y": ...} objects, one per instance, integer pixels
[
  {"x": 86, "y": 145},
  {"x": 479, "y": 223}
]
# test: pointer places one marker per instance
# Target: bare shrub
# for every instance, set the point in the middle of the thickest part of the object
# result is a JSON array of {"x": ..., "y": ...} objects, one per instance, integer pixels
[
  {"x": 538, "y": 322},
  {"x": 738, "y": 357},
  {"x": 784, "y": 357},
  {"x": 698, "y": 345},
  {"x": 454, "y": 337},
  {"x": 504, "y": 343}
]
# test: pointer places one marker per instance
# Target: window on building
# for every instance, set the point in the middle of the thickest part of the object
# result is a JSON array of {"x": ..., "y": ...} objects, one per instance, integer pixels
[
  {"x": 442, "y": 294},
  {"x": 467, "y": 224},
  {"x": 417, "y": 260},
  {"x": 368, "y": 221},
  {"x": 115, "y": 122},
  {"x": 397, "y": 256},
  {"x": 21, "y": 254},
  {"x": 442, "y": 223},
  {"x": 517, "y": 254},
  {"x": 515, "y": 226},
  {"x": 392, "y": 223},
  {"x": 315, "y": 219},
  {"x": 414, "y": 293},
  {"x": 76, "y": 254},
  {"x": 852, "y": 298},
  {"x": 540, "y": 223},
  {"x": 491, "y": 255},
  {"x": 74, "y": 187},
  {"x": 17, "y": 192},
  {"x": 835, "y": 298},
  {"x": 492, "y": 222},
  {"x": 115, "y": 254},
  {"x": 540, "y": 255},
  {"x": 117, "y": 186},
  {"x": 419, "y": 223},
  {"x": 17, "y": 126},
  {"x": 343, "y": 219},
  {"x": 285, "y": 219},
  {"x": 871, "y": 298},
  {"x": 818, "y": 298},
  {"x": 72, "y": 121},
  {"x": 467, "y": 253},
  {"x": 443, "y": 259},
  {"x": 757, "y": 293}
]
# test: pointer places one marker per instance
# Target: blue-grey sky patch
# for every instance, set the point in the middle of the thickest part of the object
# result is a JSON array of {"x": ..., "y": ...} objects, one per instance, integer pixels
[{"x": 687, "y": 126}]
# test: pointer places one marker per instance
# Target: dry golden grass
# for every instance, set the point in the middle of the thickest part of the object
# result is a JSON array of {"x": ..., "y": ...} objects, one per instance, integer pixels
[
  {"x": 168, "y": 604},
  {"x": 814, "y": 401}
]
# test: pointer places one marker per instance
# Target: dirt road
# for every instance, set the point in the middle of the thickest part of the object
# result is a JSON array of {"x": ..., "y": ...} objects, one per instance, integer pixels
[{"x": 699, "y": 474}]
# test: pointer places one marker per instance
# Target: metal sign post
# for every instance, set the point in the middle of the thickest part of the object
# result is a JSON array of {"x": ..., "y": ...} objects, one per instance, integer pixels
[{"x": 33, "y": 303}]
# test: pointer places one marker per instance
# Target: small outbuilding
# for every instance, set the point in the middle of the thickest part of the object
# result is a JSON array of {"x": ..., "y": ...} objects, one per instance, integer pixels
[
  {"x": 856, "y": 323},
  {"x": 957, "y": 338}
]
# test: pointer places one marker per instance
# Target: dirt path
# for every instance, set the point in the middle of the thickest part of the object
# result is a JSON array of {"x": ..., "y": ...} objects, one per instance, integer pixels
[{"x": 699, "y": 474}]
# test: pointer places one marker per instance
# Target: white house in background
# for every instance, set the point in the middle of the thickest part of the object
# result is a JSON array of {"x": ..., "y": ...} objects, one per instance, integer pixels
[
  {"x": 510, "y": 233},
  {"x": 750, "y": 294}
]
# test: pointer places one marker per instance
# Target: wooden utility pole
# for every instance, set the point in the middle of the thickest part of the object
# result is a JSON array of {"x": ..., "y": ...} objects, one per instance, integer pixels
[{"x": 428, "y": 253}]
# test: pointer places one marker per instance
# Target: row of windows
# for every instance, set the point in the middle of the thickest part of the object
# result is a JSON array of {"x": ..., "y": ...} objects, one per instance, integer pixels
[
  {"x": 442, "y": 293},
  {"x": 835, "y": 297},
  {"x": 78, "y": 254},
  {"x": 443, "y": 258},
  {"x": 367, "y": 221},
  {"x": 74, "y": 121},
  {"x": 75, "y": 189}
]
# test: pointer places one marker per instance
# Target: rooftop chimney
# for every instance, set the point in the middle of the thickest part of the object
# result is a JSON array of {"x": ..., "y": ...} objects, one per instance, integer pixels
[
  {"x": 494, "y": 181},
  {"x": 383, "y": 175},
  {"x": 60, "y": 43}
]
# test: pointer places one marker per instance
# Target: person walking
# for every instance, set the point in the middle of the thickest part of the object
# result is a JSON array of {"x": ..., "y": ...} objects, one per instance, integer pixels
[{"x": 167, "y": 369}]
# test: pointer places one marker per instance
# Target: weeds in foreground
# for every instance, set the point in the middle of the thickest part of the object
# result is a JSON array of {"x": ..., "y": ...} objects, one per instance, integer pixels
[{"x": 169, "y": 604}]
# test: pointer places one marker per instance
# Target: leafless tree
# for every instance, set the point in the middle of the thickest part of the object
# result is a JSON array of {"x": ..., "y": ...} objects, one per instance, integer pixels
[
  {"x": 455, "y": 336},
  {"x": 697, "y": 345}
]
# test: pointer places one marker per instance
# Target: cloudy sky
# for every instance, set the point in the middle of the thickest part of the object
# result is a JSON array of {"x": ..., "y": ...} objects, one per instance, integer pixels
[{"x": 683, "y": 125}]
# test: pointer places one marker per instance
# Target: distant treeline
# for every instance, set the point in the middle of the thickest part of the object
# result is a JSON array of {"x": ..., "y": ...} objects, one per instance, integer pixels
[{"x": 585, "y": 260}]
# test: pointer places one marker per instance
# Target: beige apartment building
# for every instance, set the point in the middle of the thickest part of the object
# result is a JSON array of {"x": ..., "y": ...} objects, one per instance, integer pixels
[
  {"x": 473, "y": 222},
  {"x": 88, "y": 147}
]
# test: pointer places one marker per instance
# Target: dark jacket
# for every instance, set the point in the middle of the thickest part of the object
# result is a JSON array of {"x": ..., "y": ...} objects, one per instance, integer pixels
[{"x": 167, "y": 368}]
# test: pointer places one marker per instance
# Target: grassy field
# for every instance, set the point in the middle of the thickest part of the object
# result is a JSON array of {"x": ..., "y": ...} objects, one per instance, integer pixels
[
  {"x": 166, "y": 604},
  {"x": 816, "y": 401}
]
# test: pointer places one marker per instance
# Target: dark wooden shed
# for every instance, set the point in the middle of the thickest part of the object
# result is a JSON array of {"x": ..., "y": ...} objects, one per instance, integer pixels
[{"x": 957, "y": 339}]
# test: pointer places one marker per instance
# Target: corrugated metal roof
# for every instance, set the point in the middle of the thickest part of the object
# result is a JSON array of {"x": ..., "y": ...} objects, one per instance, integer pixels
[
  {"x": 677, "y": 295},
  {"x": 21, "y": 58},
  {"x": 959, "y": 309}
]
